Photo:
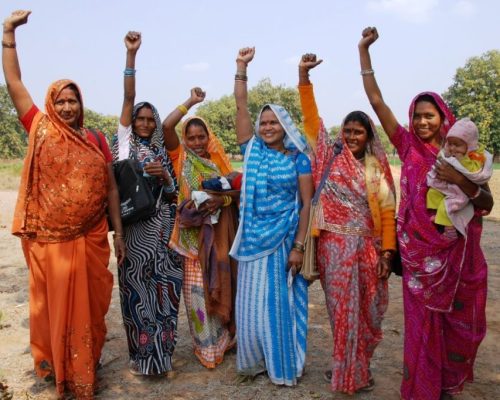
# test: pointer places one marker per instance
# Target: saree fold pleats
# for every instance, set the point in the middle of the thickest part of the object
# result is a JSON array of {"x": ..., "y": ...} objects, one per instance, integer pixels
[{"x": 70, "y": 292}]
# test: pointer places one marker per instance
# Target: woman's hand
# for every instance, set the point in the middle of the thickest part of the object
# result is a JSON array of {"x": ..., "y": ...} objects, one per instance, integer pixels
[
  {"x": 295, "y": 260},
  {"x": 447, "y": 173},
  {"x": 211, "y": 206},
  {"x": 120, "y": 249},
  {"x": 369, "y": 36},
  {"x": 308, "y": 61},
  {"x": 17, "y": 18},
  {"x": 245, "y": 55},
  {"x": 197, "y": 96},
  {"x": 154, "y": 168},
  {"x": 384, "y": 268},
  {"x": 133, "y": 41}
]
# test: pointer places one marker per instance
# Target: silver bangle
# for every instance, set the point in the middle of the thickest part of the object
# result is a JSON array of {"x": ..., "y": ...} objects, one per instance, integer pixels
[
  {"x": 170, "y": 188},
  {"x": 367, "y": 72}
]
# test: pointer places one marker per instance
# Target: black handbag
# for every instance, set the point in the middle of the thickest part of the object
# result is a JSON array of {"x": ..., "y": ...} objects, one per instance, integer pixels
[
  {"x": 396, "y": 264},
  {"x": 136, "y": 198}
]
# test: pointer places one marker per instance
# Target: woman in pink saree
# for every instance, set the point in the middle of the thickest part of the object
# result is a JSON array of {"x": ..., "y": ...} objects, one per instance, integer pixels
[{"x": 444, "y": 275}]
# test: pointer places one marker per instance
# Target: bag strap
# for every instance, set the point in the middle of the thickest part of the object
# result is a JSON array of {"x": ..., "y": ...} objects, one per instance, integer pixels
[
  {"x": 97, "y": 136},
  {"x": 337, "y": 149}
]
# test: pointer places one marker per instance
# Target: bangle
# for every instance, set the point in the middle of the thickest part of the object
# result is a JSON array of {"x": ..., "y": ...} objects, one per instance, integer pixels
[
  {"x": 183, "y": 109},
  {"x": 129, "y": 72},
  {"x": 227, "y": 200},
  {"x": 8, "y": 45},
  {"x": 367, "y": 72},
  {"x": 241, "y": 77},
  {"x": 477, "y": 194},
  {"x": 118, "y": 236},
  {"x": 170, "y": 188},
  {"x": 298, "y": 246}
]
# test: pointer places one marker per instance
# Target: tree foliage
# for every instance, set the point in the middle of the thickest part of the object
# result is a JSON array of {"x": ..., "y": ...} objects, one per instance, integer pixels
[
  {"x": 475, "y": 93},
  {"x": 107, "y": 124},
  {"x": 220, "y": 114},
  {"x": 13, "y": 138}
]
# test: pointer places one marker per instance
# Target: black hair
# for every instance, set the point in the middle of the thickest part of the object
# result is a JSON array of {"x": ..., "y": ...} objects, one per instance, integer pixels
[
  {"x": 196, "y": 122},
  {"x": 363, "y": 119},
  {"x": 75, "y": 90},
  {"x": 145, "y": 105},
  {"x": 429, "y": 99}
]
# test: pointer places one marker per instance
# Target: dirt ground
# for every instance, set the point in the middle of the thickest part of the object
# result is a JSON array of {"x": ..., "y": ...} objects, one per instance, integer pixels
[{"x": 191, "y": 380}]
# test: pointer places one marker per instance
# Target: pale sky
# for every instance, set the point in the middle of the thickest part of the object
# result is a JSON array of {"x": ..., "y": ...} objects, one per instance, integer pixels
[{"x": 189, "y": 43}]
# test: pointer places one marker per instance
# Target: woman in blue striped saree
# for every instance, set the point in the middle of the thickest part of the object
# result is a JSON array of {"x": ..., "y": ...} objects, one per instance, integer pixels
[{"x": 271, "y": 299}]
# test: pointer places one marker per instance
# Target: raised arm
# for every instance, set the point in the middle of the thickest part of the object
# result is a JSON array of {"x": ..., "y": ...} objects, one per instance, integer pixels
[
  {"x": 133, "y": 41},
  {"x": 18, "y": 93},
  {"x": 307, "y": 101},
  {"x": 169, "y": 135},
  {"x": 384, "y": 113},
  {"x": 244, "y": 128}
]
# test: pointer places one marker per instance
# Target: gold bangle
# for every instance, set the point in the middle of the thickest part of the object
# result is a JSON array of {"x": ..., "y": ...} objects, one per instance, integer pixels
[
  {"x": 8, "y": 45},
  {"x": 118, "y": 236},
  {"x": 227, "y": 200},
  {"x": 183, "y": 109},
  {"x": 298, "y": 246}
]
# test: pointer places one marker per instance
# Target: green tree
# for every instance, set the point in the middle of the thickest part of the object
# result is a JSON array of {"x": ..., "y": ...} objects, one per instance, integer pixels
[
  {"x": 13, "y": 139},
  {"x": 220, "y": 114},
  {"x": 475, "y": 93},
  {"x": 107, "y": 124}
]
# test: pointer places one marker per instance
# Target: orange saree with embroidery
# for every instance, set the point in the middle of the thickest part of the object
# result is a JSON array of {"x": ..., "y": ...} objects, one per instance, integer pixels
[{"x": 60, "y": 218}]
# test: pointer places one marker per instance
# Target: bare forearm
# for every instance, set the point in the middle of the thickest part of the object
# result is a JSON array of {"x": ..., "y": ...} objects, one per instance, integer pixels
[
  {"x": 480, "y": 195},
  {"x": 10, "y": 61},
  {"x": 172, "y": 119},
  {"x": 372, "y": 90},
  {"x": 243, "y": 120},
  {"x": 129, "y": 77},
  {"x": 303, "y": 223},
  {"x": 12, "y": 71},
  {"x": 114, "y": 211},
  {"x": 369, "y": 82}
]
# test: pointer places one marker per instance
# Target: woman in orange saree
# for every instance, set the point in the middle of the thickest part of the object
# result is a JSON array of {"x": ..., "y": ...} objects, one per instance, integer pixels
[{"x": 66, "y": 184}]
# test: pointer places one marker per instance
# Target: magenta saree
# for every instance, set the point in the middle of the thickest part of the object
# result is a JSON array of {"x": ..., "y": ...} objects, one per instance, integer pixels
[{"x": 444, "y": 280}]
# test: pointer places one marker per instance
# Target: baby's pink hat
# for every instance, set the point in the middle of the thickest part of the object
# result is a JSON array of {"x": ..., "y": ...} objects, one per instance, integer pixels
[{"x": 466, "y": 130}]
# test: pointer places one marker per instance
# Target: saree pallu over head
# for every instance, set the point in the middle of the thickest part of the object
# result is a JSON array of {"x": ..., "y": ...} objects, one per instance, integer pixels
[
  {"x": 269, "y": 209},
  {"x": 432, "y": 262},
  {"x": 64, "y": 183},
  {"x": 193, "y": 169},
  {"x": 140, "y": 149},
  {"x": 350, "y": 184}
]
